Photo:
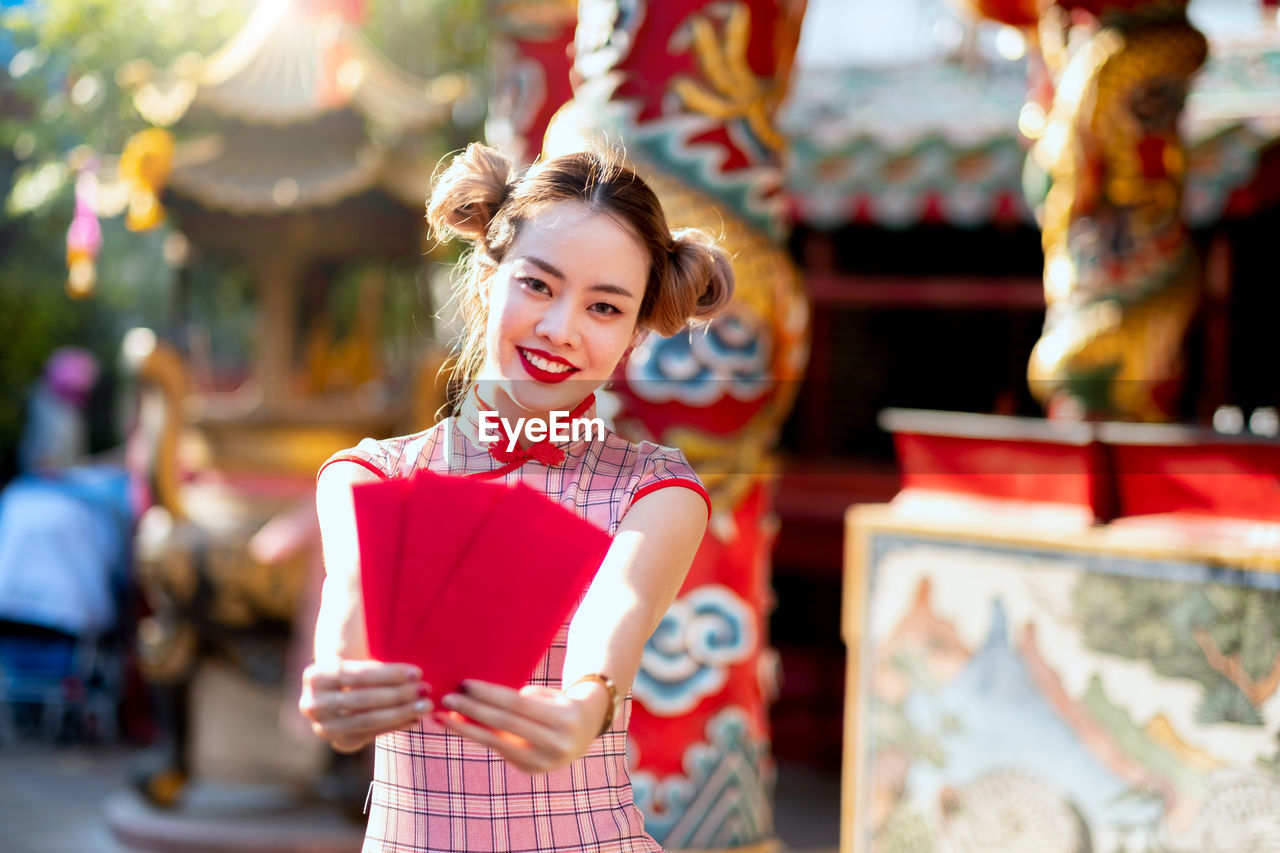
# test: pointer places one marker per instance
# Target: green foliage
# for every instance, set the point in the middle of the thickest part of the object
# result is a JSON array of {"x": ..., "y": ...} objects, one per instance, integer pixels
[
  {"x": 1171, "y": 625},
  {"x": 59, "y": 92},
  {"x": 1270, "y": 765},
  {"x": 893, "y": 730},
  {"x": 60, "y": 96},
  {"x": 64, "y": 71},
  {"x": 1224, "y": 703},
  {"x": 430, "y": 38},
  {"x": 905, "y": 830}
]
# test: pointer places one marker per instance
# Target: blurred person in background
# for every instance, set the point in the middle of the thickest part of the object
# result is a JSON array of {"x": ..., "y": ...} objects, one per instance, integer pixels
[
  {"x": 65, "y": 534},
  {"x": 55, "y": 434}
]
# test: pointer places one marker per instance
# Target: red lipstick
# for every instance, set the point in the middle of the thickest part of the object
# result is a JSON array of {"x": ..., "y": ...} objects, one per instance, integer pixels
[{"x": 544, "y": 375}]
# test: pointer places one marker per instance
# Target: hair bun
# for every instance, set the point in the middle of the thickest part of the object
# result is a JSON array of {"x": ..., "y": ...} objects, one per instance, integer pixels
[
  {"x": 468, "y": 194},
  {"x": 701, "y": 277}
]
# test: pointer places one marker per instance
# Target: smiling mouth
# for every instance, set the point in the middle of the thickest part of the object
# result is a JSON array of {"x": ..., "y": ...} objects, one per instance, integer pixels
[
  {"x": 544, "y": 368},
  {"x": 545, "y": 363}
]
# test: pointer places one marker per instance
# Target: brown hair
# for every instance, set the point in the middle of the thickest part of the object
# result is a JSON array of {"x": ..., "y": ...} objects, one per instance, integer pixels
[{"x": 480, "y": 198}]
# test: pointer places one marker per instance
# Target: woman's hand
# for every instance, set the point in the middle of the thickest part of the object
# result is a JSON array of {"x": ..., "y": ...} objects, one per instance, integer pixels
[
  {"x": 538, "y": 729},
  {"x": 350, "y": 702}
]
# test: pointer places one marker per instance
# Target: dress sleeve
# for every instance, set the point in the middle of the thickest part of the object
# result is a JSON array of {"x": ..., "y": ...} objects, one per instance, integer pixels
[
  {"x": 369, "y": 453},
  {"x": 661, "y": 468}
]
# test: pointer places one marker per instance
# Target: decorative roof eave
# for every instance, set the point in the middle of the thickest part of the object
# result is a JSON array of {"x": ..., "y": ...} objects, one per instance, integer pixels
[
  {"x": 228, "y": 172},
  {"x": 290, "y": 65},
  {"x": 218, "y": 173},
  {"x": 389, "y": 97},
  {"x": 907, "y": 145}
]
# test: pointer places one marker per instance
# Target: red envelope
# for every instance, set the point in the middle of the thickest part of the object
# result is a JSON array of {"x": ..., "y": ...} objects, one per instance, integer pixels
[
  {"x": 379, "y": 511},
  {"x": 443, "y": 516},
  {"x": 483, "y": 578}
]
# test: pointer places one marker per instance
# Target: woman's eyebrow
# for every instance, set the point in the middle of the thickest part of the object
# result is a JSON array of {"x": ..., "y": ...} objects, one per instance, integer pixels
[
  {"x": 615, "y": 289},
  {"x": 543, "y": 265}
]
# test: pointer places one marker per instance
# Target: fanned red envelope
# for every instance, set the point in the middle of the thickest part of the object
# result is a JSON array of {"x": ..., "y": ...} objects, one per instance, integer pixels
[
  {"x": 379, "y": 508},
  {"x": 467, "y": 578}
]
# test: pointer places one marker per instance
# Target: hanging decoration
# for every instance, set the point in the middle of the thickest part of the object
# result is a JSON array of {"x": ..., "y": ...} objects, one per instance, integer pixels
[
  {"x": 144, "y": 167},
  {"x": 84, "y": 237}
]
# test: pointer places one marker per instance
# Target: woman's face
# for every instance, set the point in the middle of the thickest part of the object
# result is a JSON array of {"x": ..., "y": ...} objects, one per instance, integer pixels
[{"x": 562, "y": 309}]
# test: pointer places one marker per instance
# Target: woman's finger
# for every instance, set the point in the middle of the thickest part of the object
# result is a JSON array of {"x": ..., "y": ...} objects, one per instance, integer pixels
[
  {"x": 544, "y": 708},
  {"x": 351, "y": 702},
  {"x": 359, "y": 673},
  {"x": 356, "y": 729},
  {"x": 360, "y": 699},
  {"x": 500, "y": 717},
  {"x": 343, "y": 718},
  {"x": 372, "y": 673},
  {"x": 320, "y": 704}
]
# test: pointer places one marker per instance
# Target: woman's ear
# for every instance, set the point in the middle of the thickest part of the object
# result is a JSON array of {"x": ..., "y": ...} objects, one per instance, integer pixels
[{"x": 485, "y": 284}]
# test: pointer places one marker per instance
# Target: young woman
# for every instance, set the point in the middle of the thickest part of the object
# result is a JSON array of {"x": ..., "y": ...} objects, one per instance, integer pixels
[{"x": 570, "y": 265}]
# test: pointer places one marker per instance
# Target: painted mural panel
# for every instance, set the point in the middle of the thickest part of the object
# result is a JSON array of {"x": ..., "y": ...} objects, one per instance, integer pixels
[{"x": 1014, "y": 699}]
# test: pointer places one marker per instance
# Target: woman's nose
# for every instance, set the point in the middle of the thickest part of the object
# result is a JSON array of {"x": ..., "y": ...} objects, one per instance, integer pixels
[{"x": 558, "y": 324}]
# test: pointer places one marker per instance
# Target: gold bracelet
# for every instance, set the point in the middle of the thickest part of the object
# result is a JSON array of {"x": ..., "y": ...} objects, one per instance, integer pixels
[{"x": 614, "y": 699}]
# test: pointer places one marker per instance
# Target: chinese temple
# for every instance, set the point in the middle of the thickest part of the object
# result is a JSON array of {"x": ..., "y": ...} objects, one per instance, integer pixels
[{"x": 297, "y": 152}]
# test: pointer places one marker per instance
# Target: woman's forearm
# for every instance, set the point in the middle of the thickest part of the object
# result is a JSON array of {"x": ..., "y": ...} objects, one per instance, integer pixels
[{"x": 640, "y": 577}]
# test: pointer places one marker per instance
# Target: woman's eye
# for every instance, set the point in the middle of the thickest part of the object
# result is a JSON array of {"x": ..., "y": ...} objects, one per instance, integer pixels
[
  {"x": 605, "y": 308},
  {"x": 537, "y": 285}
]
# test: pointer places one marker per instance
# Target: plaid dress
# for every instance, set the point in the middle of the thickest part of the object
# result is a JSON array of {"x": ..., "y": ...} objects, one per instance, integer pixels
[{"x": 435, "y": 791}]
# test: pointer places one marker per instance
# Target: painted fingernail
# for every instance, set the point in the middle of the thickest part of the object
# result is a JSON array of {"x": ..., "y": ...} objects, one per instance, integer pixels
[
  {"x": 422, "y": 706},
  {"x": 424, "y": 689},
  {"x": 450, "y": 701},
  {"x": 412, "y": 673},
  {"x": 464, "y": 688}
]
